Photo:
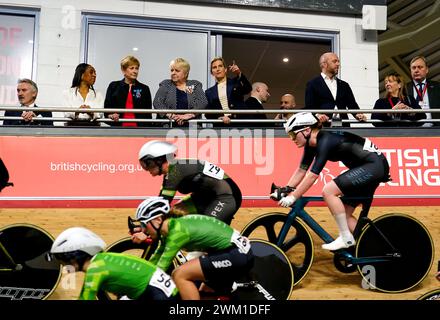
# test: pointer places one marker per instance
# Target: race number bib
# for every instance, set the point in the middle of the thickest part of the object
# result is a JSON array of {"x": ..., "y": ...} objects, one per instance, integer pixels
[
  {"x": 162, "y": 281},
  {"x": 371, "y": 147},
  {"x": 243, "y": 244},
  {"x": 213, "y": 171}
]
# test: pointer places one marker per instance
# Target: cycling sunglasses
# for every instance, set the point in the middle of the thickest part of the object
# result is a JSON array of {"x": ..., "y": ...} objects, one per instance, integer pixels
[{"x": 293, "y": 134}]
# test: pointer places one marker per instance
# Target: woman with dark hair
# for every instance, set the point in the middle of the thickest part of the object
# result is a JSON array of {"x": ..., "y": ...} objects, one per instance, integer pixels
[
  {"x": 82, "y": 95},
  {"x": 396, "y": 99}
]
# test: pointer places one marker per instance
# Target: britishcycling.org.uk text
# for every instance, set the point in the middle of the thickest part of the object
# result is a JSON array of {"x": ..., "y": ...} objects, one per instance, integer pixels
[{"x": 94, "y": 167}]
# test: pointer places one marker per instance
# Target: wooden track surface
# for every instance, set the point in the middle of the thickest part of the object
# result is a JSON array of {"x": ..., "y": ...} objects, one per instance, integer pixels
[{"x": 323, "y": 281}]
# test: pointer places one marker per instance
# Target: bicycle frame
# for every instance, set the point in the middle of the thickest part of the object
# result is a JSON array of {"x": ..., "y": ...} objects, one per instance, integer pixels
[{"x": 298, "y": 211}]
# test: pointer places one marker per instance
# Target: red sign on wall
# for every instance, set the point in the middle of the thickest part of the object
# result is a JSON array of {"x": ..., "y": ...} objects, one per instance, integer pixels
[{"x": 66, "y": 169}]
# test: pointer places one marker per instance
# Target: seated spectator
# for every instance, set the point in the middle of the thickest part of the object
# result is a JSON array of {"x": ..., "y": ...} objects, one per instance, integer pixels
[
  {"x": 179, "y": 93},
  {"x": 227, "y": 93},
  {"x": 128, "y": 93},
  {"x": 396, "y": 99},
  {"x": 82, "y": 95},
  {"x": 287, "y": 102},
  {"x": 425, "y": 91},
  {"x": 27, "y": 92},
  {"x": 259, "y": 95}
]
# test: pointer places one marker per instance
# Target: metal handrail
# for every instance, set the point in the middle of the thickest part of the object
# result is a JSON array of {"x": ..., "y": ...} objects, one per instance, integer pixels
[{"x": 210, "y": 111}]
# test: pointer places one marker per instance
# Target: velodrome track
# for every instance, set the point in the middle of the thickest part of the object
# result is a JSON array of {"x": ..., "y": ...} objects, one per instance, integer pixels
[{"x": 323, "y": 282}]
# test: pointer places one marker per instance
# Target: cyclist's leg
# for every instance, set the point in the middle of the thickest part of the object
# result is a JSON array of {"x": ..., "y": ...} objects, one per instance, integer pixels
[
  {"x": 358, "y": 182},
  {"x": 222, "y": 268},
  {"x": 223, "y": 207},
  {"x": 184, "y": 277},
  {"x": 331, "y": 193}
]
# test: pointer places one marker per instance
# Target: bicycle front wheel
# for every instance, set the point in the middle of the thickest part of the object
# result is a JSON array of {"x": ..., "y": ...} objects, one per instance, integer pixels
[
  {"x": 431, "y": 295},
  {"x": 272, "y": 274},
  {"x": 25, "y": 272},
  {"x": 406, "y": 246},
  {"x": 298, "y": 244}
]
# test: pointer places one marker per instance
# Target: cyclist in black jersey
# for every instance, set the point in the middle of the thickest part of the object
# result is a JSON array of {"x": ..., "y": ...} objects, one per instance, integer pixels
[
  {"x": 210, "y": 190},
  {"x": 367, "y": 168}
]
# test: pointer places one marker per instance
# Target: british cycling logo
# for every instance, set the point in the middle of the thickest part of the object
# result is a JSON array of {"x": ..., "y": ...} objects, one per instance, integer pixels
[
  {"x": 15, "y": 293},
  {"x": 325, "y": 176}
]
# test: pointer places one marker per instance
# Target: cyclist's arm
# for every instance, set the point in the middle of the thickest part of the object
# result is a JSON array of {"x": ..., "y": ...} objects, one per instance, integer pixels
[
  {"x": 174, "y": 242},
  {"x": 167, "y": 193},
  {"x": 157, "y": 254},
  {"x": 92, "y": 282},
  {"x": 305, "y": 184},
  {"x": 297, "y": 177}
]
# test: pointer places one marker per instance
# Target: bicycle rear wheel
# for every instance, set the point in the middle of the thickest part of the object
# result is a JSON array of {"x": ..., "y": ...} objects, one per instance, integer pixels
[
  {"x": 272, "y": 273},
  {"x": 25, "y": 272},
  {"x": 411, "y": 240},
  {"x": 298, "y": 245}
]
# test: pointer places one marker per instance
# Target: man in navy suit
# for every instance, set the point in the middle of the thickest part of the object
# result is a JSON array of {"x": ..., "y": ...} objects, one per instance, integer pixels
[
  {"x": 426, "y": 92},
  {"x": 227, "y": 93},
  {"x": 326, "y": 91},
  {"x": 27, "y": 92}
]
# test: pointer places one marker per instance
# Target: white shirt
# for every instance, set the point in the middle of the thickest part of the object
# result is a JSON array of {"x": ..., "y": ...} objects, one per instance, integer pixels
[
  {"x": 73, "y": 99},
  {"x": 223, "y": 96},
  {"x": 332, "y": 85},
  {"x": 425, "y": 102}
]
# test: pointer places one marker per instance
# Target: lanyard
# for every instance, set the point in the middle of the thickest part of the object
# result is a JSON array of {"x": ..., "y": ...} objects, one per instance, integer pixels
[
  {"x": 391, "y": 102},
  {"x": 420, "y": 94}
]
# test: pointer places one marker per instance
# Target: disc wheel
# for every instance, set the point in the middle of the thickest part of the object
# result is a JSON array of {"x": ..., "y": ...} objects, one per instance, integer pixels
[
  {"x": 411, "y": 241},
  {"x": 298, "y": 244},
  {"x": 271, "y": 271},
  {"x": 25, "y": 271}
]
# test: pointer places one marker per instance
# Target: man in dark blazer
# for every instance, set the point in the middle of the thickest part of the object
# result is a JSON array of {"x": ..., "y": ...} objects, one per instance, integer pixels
[
  {"x": 227, "y": 93},
  {"x": 27, "y": 92},
  {"x": 259, "y": 95},
  {"x": 426, "y": 92},
  {"x": 326, "y": 91}
]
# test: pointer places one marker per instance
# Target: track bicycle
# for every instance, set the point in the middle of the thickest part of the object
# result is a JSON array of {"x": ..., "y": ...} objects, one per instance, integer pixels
[
  {"x": 433, "y": 294},
  {"x": 25, "y": 272},
  {"x": 393, "y": 253},
  {"x": 271, "y": 277}
]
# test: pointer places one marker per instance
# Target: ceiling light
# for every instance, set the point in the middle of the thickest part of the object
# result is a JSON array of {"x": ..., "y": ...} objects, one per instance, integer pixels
[
  {"x": 135, "y": 49},
  {"x": 285, "y": 60}
]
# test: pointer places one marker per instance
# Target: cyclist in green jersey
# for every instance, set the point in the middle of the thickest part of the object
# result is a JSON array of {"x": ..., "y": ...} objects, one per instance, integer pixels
[
  {"x": 210, "y": 190},
  {"x": 228, "y": 254},
  {"x": 124, "y": 275}
]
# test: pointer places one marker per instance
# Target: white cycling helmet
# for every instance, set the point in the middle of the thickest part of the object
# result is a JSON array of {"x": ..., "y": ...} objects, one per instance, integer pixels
[
  {"x": 155, "y": 149},
  {"x": 300, "y": 121},
  {"x": 151, "y": 208},
  {"x": 74, "y": 242}
]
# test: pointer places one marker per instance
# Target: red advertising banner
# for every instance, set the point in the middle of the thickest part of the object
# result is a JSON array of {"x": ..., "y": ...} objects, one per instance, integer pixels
[{"x": 62, "y": 170}]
